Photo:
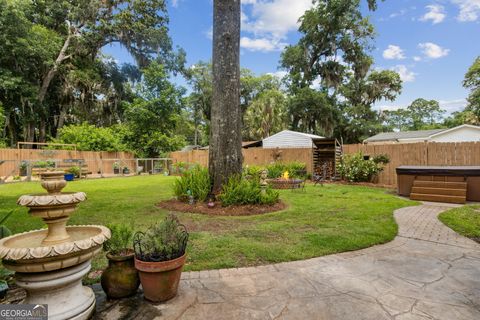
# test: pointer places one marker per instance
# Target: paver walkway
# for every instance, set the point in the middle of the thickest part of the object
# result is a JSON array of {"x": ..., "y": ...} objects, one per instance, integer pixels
[{"x": 427, "y": 272}]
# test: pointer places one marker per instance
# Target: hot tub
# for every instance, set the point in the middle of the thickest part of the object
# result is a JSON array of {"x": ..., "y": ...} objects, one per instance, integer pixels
[{"x": 469, "y": 174}]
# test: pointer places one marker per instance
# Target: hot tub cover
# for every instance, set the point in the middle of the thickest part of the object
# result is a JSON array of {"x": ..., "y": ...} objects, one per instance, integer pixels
[{"x": 440, "y": 170}]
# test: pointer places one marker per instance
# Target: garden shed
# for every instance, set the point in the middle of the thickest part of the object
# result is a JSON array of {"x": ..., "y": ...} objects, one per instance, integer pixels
[{"x": 326, "y": 152}]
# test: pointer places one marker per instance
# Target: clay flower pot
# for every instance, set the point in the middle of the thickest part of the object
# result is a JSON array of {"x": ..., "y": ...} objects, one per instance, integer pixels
[
  {"x": 120, "y": 279},
  {"x": 160, "y": 279}
]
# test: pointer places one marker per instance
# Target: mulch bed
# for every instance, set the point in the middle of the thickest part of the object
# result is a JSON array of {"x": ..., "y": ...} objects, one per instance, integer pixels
[{"x": 218, "y": 210}]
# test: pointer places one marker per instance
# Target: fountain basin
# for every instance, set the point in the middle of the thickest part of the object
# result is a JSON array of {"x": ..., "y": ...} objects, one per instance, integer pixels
[
  {"x": 52, "y": 205},
  {"x": 26, "y": 252}
]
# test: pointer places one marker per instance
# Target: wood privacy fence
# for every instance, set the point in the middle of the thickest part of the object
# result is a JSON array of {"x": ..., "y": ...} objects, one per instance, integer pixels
[
  {"x": 420, "y": 154},
  {"x": 95, "y": 161},
  {"x": 251, "y": 156}
]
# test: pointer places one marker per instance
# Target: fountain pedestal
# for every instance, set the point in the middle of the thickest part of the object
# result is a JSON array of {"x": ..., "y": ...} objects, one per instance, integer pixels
[{"x": 50, "y": 263}]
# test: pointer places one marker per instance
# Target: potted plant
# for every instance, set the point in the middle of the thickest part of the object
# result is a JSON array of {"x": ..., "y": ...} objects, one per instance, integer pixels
[
  {"x": 116, "y": 168},
  {"x": 120, "y": 279},
  {"x": 160, "y": 257},
  {"x": 23, "y": 168},
  {"x": 126, "y": 170},
  {"x": 73, "y": 172}
]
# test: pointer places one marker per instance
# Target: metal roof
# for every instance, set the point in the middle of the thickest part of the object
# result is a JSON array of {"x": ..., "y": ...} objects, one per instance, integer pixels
[{"x": 394, "y": 136}]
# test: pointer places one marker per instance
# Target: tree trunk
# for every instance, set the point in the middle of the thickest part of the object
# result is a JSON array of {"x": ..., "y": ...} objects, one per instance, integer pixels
[
  {"x": 225, "y": 153},
  {"x": 62, "y": 56}
]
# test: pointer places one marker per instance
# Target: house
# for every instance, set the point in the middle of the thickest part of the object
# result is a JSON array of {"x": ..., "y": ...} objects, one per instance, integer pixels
[{"x": 463, "y": 133}]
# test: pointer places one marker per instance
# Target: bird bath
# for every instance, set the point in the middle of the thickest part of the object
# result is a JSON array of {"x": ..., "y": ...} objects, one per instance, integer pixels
[{"x": 50, "y": 263}]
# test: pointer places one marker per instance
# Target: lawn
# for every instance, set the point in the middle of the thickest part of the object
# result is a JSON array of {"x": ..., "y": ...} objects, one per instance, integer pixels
[
  {"x": 464, "y": 220},
  {"x": 319, "y": 221}
]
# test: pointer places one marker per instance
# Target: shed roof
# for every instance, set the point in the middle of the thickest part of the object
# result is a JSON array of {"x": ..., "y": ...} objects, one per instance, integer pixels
[
  {"x": 393, "y": 136},
  {"x": 309, "y": 135}
]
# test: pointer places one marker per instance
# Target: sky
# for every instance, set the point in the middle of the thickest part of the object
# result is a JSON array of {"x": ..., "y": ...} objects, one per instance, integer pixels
[{"x": 431, "y": 43}]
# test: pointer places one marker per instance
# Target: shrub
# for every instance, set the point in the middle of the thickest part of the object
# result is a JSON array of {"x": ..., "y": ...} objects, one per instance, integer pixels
[
  {"x": 121, "y": 240},
  {"x": 239, "y": 191},
  {"x": 164, "y": 241},
  {"x": 355, "y": 168},
  {"x": 381, "y": 159},
  {"x": 195, "y": 182},
  {"x": 295, "y": 169},
  {"x": 75, "y": 170},
  {"x": 252, "y": 171}
]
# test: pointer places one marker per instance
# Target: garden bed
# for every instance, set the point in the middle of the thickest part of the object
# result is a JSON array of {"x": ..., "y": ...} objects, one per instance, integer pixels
[{"x": 218, "y": 210}]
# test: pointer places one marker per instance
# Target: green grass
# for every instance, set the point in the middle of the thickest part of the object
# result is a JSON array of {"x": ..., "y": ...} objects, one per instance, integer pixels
[
  {"x": 464, "y": 220},
  {"x": 320, "y": 221}
]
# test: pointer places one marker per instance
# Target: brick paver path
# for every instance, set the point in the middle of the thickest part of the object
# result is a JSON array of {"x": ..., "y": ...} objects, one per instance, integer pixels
[{"x": 427, "y": 272}]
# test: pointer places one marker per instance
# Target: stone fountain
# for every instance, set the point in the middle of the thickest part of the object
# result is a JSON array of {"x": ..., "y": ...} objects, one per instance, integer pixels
[{"x": 50, "y": 263}]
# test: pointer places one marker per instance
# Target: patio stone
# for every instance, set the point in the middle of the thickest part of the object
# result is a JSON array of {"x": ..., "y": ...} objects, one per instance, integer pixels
[{"x": 427, "y": 272}]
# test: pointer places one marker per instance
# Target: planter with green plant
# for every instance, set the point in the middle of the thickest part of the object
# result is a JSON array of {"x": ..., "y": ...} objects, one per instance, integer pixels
[
  {"x": 160, "y": 257},
  {"x": 116, "y": 168},
  {"x": 23, "y": 168},
  {"x": 73, "y": 172},
  {"x": 126, "y": 170},
  {"x": 120, "y": 279}
]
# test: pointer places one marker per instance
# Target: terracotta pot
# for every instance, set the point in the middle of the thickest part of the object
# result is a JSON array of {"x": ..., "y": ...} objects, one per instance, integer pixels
[
  {"x": 160, "y": 279},
  {"x": 120, "y": 279}
]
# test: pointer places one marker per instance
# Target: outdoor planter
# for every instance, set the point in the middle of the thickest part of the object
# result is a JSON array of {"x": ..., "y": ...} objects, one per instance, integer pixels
[
  {"x": 116, "y": 170},
  {"x": 160, "y": 279},
  {"x": 160, "y": 257},
  {"x": 126, "y": 171},
  {"x": 69, "y": 176},
  {"x": 120, "y": 279}
]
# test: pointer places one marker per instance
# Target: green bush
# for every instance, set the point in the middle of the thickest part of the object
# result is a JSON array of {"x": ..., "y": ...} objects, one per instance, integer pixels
[
  {"x": 239, "y": 191},
  {"x": 252, "y": 171},
  {"x": 44, "y": 164},
  {"x": 381, "y": 159},
  {"x": 75, "y": 170},
  {"x": 164, "y": 241},
  {"x": 295, "y": 169},
  {"x": 355, "y": 168},
  {"x": 195, "y": 182},
  {"x": 121, "y": 240}
]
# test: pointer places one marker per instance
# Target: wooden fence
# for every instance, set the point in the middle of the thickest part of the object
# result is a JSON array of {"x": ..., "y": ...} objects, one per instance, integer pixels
[
  {"x": 95, "y": 161},
  {"x": 251, "y": 156},
  {"x": 431, "y": 154}
]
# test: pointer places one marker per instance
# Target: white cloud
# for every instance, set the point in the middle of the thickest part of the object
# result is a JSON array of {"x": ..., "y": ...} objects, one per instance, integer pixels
[
  {"x": 278, "y": 74},
  {"x": 417, "y": 58},
  {"x": 469, "y": 10},
  {"x": 435, "y": 13},
  {"x": 209, "y": 33},
  {"x": 261, "y": 44},
  {"x": 453, "y": 105},
  {"x": 175, "y": 3},
  {"x": 432, "y": 50},
  {"x": 269, "y": 22},
  {"x": 405, "y": 74},
  {"x": 393, "y": 53},
  {"x": 276, "y": 17}
]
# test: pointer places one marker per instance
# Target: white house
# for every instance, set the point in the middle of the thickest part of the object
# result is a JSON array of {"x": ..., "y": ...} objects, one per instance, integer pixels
[
  {"x": 290, "y": 139},
  {"x": 463, "y": 133}
]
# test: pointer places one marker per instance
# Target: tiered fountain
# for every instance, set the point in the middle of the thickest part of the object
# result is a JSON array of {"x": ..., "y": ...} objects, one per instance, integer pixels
[{"x": 50, "y": 263}]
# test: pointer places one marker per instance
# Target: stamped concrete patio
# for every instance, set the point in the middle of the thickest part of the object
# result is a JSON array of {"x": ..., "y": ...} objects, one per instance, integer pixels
[{"x": 427, "y": 272}]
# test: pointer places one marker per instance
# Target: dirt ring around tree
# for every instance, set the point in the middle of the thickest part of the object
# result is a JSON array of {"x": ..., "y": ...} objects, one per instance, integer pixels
[{"x": 218, "y": 210}]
